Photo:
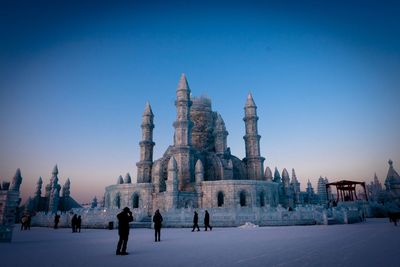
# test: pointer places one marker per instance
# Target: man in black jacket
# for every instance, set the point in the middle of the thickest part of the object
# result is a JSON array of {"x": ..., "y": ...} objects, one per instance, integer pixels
[
  {"x": 124, "y": 218},
  {"x": 207, "y": 221},
  {"x": 196, "y": 222},
  {"x": 157, "y": 220}
]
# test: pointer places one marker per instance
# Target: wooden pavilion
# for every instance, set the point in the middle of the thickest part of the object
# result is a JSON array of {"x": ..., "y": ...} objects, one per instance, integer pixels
[{"x": 346, "y": 190}]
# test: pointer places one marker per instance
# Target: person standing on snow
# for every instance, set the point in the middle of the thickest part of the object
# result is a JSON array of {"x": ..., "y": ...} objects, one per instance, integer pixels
[
  {"x": 157, "y": 220},
  {"x": 124, "y": 218}
]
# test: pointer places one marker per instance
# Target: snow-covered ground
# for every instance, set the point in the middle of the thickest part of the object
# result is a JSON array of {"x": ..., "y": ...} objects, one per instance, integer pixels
[{"x": 373, "y": 243}]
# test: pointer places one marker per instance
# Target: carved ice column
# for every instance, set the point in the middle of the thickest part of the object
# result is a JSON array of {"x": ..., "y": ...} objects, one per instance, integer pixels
[{"x": 172, "y": 184}]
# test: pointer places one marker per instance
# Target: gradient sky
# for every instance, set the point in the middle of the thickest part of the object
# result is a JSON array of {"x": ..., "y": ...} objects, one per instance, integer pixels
[{"x": 74, "y": 79}]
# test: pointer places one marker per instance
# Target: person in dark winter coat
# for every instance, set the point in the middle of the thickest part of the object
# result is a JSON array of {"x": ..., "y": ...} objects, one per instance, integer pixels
[
  {"x": 196, "y": 221},
  {"x": 56, "y": 221},
  {"x": 28, "y": 222},
  {"x": 124, "y": 218},
  {"x": 207, "y": 221},
  {"x": 78, "y": 223},
  {"x": 157, "y": 220},
  {"x": 74, "y": 222}
]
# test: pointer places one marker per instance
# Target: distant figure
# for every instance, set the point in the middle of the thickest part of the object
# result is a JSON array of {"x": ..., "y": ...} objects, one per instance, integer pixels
[
  {"x": 207, "y": 221},
  {"x": 23, "y": 222},
  {"x": 196, "y": 222},
  {"x": 56, "y": 221},
  {"x": 78, "y": 224},
  {"x": 124, "y": 218},
  {"x": 28, "y": 222},
  {"x": 157, "y": 220},
  {"x": 394, "y": 217},
  {"x": 74, "y": 222}
]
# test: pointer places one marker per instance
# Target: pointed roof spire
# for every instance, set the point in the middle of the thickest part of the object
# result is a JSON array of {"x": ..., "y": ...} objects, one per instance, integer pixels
[
  {"x": 183, "y": 84},
  {"x": 277, "y": 176},
  {"x": 250, "y": 101},
  {"x": 17, "y": 180},
  {"x": 55, "y": 170},
  {"x": 268, "y": 174},
  {"x": 67, "y": 182},
  {"x": 120, "y": 180},
  {"x": 128, "y": 179},
  {"x": 294, "y": 177},
  {"x": 285, "y": 174},
  {"x": 392, "y": 174},
  {"x": 147, "y": 110}
]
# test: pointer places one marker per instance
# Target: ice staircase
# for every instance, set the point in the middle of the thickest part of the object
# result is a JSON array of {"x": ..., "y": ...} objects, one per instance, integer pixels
[{"x": 144, "y": 223}]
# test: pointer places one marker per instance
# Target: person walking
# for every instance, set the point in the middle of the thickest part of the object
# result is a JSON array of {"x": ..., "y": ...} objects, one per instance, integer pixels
[
  {"x": 28, "y": 222},
  {"x": 56, "y": 221},
  {"x": 207, "y": 221},
  {"x": 157, "y": 220},
  {"x": 23, "y": 222},
  {"x": 124, "y": 218},
  {"x": 74, "y": 222},
  {"x": 196, "y": 222},
  {"x": 78, "y": 224}
]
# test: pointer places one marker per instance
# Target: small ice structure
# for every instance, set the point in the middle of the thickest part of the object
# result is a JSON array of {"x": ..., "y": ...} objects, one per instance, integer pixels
[{"x": 248, "y": 225}]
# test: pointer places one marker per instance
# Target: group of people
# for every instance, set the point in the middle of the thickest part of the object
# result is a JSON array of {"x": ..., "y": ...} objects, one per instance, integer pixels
[
  {"x": 26, "y": 222},
  {"x": 125, "y": 217},
  {"x": 206, "y": 221},
  {"x": 76, "y": 223}
]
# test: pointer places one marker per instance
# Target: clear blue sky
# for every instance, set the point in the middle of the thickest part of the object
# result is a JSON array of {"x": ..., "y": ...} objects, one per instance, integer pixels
[{"x": 74, "y": 79}]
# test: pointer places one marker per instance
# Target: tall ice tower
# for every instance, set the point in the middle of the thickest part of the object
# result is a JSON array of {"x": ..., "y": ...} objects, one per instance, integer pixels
[
  {"x": 182, "y": 137},
  {"x": 253, "y": 160},
  {"x": 146, "y": 146}
]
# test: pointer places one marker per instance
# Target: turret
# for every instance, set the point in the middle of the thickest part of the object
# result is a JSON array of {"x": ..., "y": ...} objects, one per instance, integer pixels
[
  {"x": 277, "y": 176},
  {"x": 392, "y": 181},
  {"x": 183, "y": 125},
  {"x": 38, "y": 192},
  {"x": 268, "y": 174},
  {"x": 120, "y": 180},
  {"x": 128, "y": 179},
  {"x": 321, "y": 190},
  {"x": 285, "y": 178},
  {"x": 253, "y": 160},
  {"x": 146, "y": 146},
  {"x": 296, "y": 187},
  {"x": 55, "y": 171},
  {"x": 310, "y": 189},
  {"x": 94, "y": 203},
  {"x": 17, "y": 180},
  {"x": 220, "y": 136},
  {"x": 54, "y": 191},
  {"x": 66, "y": 189}
]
